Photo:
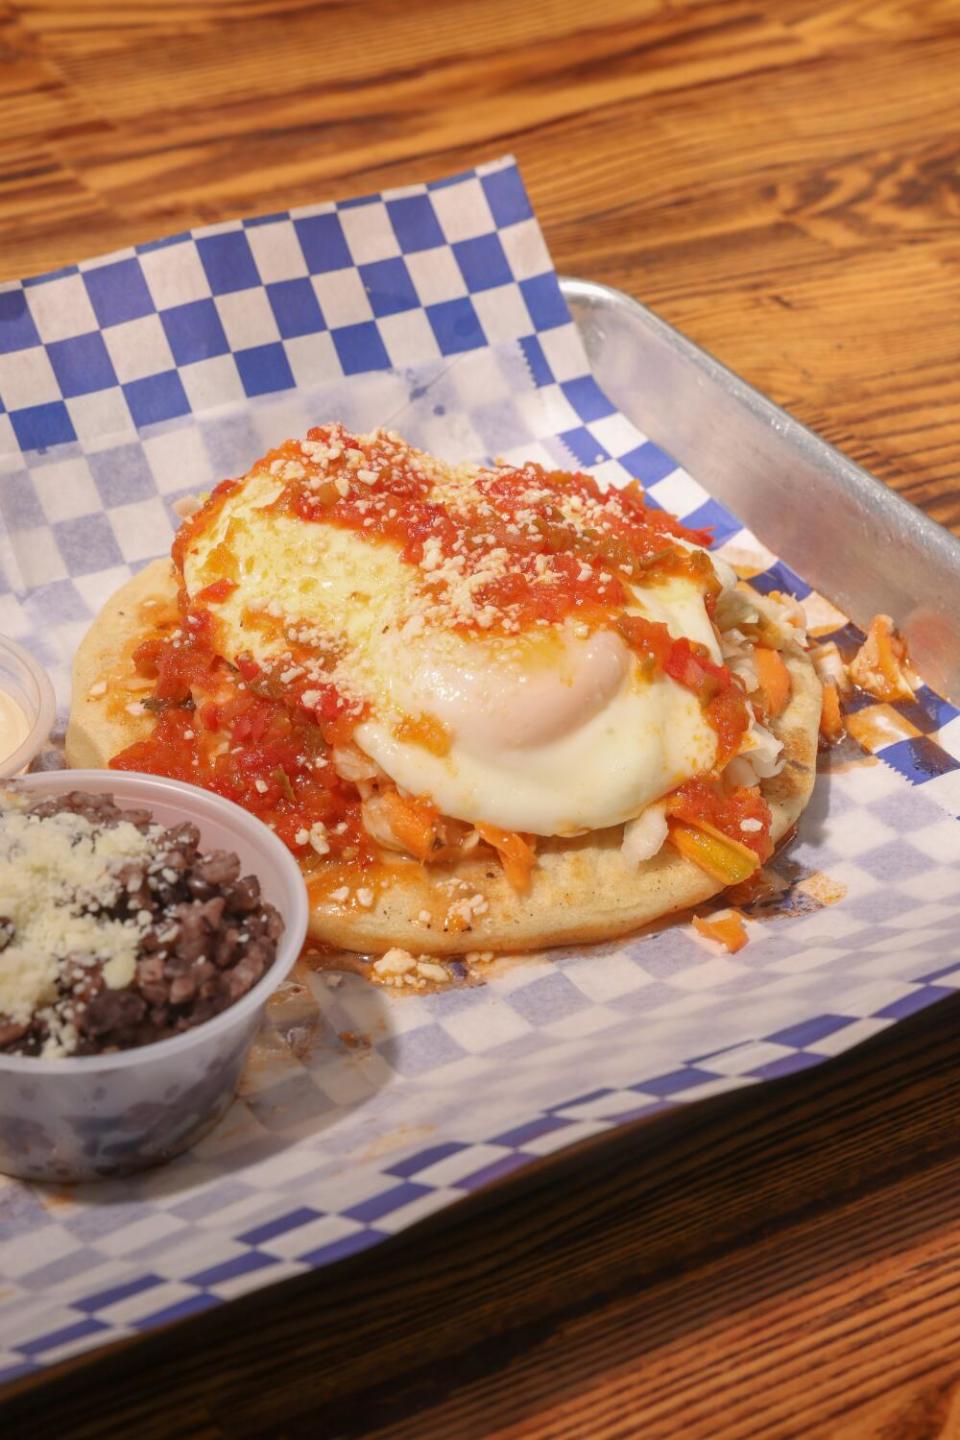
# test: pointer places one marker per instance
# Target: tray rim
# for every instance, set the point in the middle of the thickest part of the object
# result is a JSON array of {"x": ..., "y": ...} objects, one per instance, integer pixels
[
  {"x": 593, "y": 291},
  {"x": 928, "y": 554},
  {"x": 905, "y": 515}
]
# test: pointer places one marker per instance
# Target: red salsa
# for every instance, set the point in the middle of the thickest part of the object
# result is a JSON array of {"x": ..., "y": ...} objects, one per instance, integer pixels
[
  {"x": 535, "y": 546},
  {"x": 238, "y": 732},
  {"x": 707, "y": 799}
]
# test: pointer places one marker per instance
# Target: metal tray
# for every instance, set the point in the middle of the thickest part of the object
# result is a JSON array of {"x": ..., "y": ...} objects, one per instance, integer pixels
[{"x": 849, "y": 536}]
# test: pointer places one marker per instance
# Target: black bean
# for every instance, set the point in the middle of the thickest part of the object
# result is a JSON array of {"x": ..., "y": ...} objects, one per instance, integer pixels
[
  {"x": 209, "y": 939},
  {"x": 185, "y": 835},
  {"x": 183, "y": 988},
  {"x": 194, "y": 938},
  {"x": 218, "y": 868},
  {"x": 113, "y": 1010},
  {"x": 244, "y": 895},
  {"x": 11, "y": 1031}
]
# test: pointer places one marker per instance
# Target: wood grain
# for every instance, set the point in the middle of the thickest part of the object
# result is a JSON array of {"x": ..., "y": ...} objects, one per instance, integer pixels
[
  {"x": 777, "y": 1263},
  {"x": 780, "y": 181}
]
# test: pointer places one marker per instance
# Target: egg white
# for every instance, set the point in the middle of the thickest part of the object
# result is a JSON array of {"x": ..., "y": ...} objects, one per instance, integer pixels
[{"x": 551, "y": 733}]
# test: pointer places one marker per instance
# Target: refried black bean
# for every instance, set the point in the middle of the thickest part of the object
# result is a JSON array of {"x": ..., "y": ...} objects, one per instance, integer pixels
[{"x": 208, "y": 937}]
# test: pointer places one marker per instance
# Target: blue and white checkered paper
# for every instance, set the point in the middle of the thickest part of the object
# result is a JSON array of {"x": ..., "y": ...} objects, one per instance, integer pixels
[{"x": 128, "y": 381}]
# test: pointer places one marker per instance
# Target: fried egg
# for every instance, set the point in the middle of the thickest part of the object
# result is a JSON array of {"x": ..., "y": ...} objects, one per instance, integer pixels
[{"x": 553, "y": 730}]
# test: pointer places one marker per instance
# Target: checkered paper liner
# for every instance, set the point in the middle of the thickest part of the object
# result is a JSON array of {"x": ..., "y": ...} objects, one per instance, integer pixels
[{"x": 130, "y": 380}]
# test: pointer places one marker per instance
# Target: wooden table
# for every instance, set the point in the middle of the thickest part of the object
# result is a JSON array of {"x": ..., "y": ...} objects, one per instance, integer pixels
[{"x": 780, "y": 182}]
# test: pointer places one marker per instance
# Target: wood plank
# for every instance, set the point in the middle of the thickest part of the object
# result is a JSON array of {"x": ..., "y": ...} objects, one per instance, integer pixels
[
  {"x": 780, "y": 182},
  {"x": 697, "y": 1272}
]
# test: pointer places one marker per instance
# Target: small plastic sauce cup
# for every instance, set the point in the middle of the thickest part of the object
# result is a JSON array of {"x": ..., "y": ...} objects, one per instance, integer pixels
[
  {"x": 23, "y": 682},
  {"x": 88, "y": 1116}
]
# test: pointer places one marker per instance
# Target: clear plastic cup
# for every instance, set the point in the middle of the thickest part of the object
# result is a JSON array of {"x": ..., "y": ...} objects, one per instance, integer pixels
[
  {"x": 89, "y": 1116},
  {"x": 26, "y": 683}
]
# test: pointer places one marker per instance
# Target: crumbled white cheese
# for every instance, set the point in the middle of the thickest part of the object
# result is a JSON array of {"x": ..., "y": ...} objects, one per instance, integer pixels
[
  {"x": 432, "y": 554},
  {"x": 395, "y": 962},
  {"x": 55, "y": 873},
  {"x": 467, "y": 909},
  {"x": 430, "y": 970}
]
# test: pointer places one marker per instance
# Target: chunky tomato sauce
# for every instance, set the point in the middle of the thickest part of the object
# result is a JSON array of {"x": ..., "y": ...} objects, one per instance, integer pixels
[
  {"x": 706, "y": 799},
  {"x": 718, "y": 691},
  {"x": 550, "y": 525},
  {"x": 530, "y": 514},
  {"x": 239, "y": 733},
  {"x": 545, "y": 546}
]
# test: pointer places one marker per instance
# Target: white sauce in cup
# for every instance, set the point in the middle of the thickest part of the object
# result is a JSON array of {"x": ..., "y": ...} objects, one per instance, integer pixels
[{"x": 14, "y": 725}]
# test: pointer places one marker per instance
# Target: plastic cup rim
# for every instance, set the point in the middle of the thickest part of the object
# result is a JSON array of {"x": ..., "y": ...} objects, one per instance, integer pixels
[
  {"x": 42, "y": 721},
  {"x": 291, "y": 943}
]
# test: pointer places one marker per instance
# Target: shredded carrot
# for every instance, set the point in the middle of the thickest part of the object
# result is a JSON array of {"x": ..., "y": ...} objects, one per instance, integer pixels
[
  {"x": 890, "y": 648},
  {"x": 728, "y": 930},
  {"x": 775, "y": 682},
  {"x": 878, "y": 666},
  {"x": 726, "y": 860},
  {"x": 831, "y": 718},
  {"x": 517, "y": 856},
  {"x": 413, "y": 822}
]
